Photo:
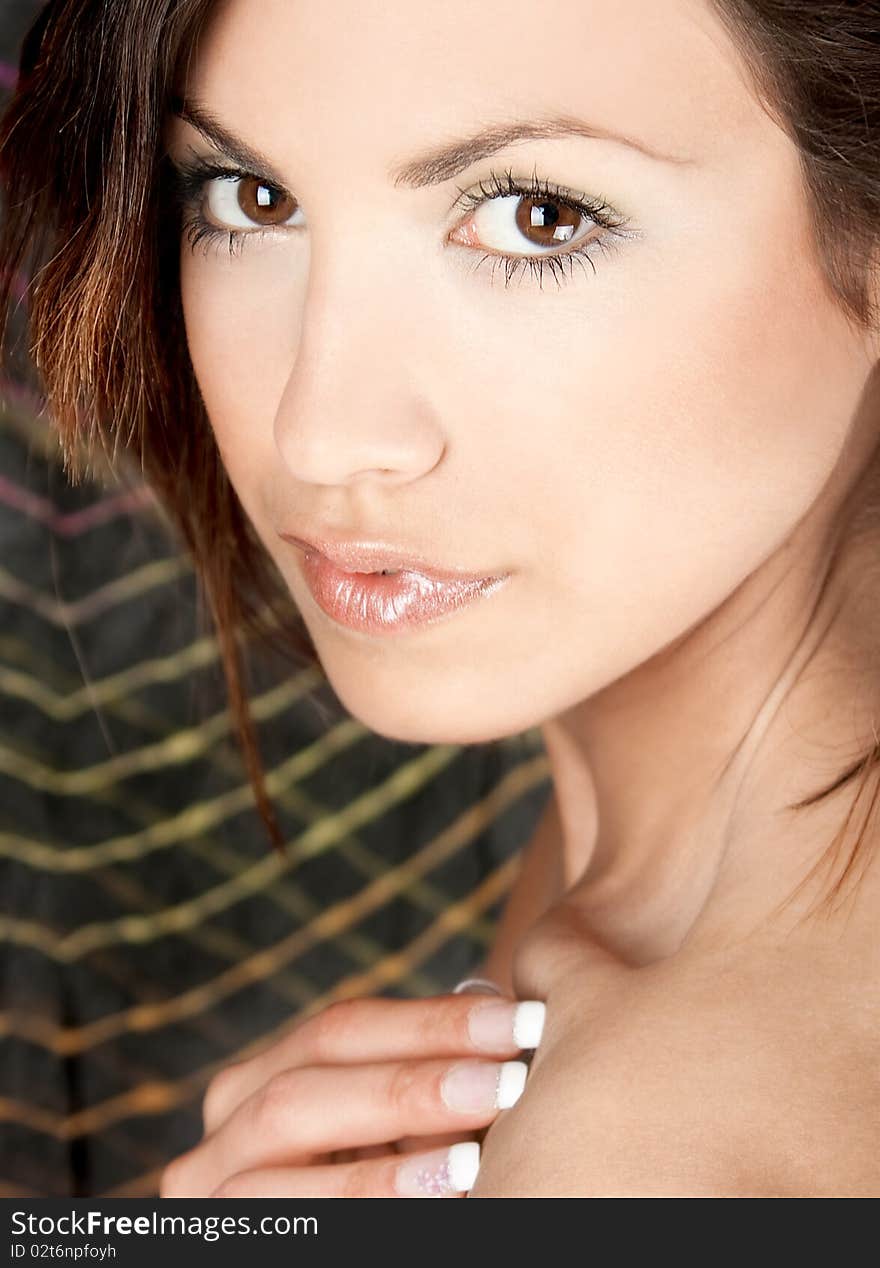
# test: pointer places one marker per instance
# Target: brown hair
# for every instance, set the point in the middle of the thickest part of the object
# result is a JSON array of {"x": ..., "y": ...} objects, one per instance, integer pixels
[
  {"x": 85, "y": 188},
  {"x": 86, "y": 196}
]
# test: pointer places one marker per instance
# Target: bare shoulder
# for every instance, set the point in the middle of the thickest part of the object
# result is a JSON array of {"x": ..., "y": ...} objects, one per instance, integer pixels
[
  {"x": 605, "y": 1114},
  {"x": 700, "y": 1080}
]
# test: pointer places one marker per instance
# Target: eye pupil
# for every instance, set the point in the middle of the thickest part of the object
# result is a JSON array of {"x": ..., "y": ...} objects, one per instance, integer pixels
[{"x": 553, "y": 221}]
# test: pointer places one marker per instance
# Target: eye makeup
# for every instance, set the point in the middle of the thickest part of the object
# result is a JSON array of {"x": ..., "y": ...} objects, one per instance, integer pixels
[{"x": 192, "y": 177}]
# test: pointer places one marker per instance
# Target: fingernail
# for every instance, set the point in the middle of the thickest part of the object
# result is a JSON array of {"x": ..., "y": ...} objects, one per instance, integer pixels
[
  {"x": 440, "y": 1172},
  {"x": 528, "y": 1025},
  {"x": 476, "y": 986},
  {"x": 478, "y": 1086},
  {"x": 499, "y": 1023}
]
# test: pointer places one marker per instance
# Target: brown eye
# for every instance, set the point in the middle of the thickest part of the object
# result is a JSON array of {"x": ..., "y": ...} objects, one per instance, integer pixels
[
  {"x": 263, "y": 204},
  {"x": 247, "y": 202},
  {"x": 524, "y": 224},
  {"x": 546, "y": 222}
]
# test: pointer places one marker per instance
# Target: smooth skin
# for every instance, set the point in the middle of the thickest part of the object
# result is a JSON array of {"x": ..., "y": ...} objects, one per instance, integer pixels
[{"x": 664, "y": 451}]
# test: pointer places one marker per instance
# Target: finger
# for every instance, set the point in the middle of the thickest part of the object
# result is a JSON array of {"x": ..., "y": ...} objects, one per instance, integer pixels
[
  {"x": 447, "y": 1172},
  {"x": 418, "y": 1144},
  {"x": 357, "y": 1031},
  {"x": 310, "y": 1110},
  {"x": 375, "y": 1151},
  {"x": 365, "y": 1151}
]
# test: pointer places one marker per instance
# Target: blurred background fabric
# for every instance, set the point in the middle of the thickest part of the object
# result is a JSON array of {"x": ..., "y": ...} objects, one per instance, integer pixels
[{"x": 150, "y": 933}]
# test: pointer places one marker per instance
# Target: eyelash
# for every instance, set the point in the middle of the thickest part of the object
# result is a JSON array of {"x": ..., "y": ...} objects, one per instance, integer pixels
[
  {"x": 191, "y": 176},
  {"x": 597, "y": 210}
]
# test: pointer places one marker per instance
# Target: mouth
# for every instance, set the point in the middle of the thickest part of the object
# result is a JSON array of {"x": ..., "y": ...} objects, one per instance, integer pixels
[
  {"x": 377, "y": 559},
  {"x": 388, "y": 598}
]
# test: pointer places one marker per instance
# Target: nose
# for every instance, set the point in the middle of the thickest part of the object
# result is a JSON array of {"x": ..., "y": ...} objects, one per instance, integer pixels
[{"x": 350, "y": 411}]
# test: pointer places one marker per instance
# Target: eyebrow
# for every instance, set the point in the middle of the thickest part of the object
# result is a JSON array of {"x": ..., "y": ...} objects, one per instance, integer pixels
[
  {"x": 202, "y": 119},
  {"x": 433, "y": 166},
  {"x": 442, "y": 162}
]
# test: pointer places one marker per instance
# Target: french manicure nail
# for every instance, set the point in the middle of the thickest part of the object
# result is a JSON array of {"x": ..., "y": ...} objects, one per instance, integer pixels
[
  {"x": 440, "y": 1172},
  {"x": 478, "y": 1086},
  {"x": 499, "y": 1023},
  {"x": 528, "y": 1024},
  {"x": 476, "y": 986}
]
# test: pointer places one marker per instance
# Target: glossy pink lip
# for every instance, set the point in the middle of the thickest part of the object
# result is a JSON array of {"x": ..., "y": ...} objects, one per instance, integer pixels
[
  {"x": 378, "y": 604},
  {"x": 369, "y": 557}
]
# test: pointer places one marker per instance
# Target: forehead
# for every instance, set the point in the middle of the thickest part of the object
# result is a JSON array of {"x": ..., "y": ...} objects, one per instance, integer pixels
[{"x": 382, "y": 76}]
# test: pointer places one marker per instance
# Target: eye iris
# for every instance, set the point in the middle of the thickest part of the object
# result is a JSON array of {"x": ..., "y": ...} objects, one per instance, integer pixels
[
  {"x": 551, "y": 221},
  {"x": 264, "y": 204}
]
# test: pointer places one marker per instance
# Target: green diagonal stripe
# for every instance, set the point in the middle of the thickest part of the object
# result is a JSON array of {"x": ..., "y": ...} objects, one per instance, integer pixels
[
  {"x": 196, "y": 819},
  {"x": 403, "y": 783}
]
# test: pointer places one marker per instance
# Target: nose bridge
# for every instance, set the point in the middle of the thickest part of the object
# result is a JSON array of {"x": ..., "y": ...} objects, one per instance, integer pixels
[{"x": 350, "y": 406}]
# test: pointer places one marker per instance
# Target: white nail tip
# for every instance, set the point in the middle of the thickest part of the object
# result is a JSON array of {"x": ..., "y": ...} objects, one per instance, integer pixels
[
  {"x": 511, "y": 1082},
  {"x": 476, "y": 986},
  {"x": 463, "y": 1163},
  {"x": 528, "y": 1023}
]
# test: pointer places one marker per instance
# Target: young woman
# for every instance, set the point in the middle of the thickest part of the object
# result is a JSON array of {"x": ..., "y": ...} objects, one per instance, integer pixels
[{"x": 534, "y": 356}]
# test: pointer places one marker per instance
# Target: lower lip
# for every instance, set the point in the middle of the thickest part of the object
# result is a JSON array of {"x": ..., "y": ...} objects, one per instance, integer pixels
[{"x": 377, "y": 604}]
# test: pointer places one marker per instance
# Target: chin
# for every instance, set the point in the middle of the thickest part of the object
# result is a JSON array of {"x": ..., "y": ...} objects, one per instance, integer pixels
[{"x": 434, "y": 712}]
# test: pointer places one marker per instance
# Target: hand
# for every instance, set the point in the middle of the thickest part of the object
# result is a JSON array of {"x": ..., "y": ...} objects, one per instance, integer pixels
[{"x": 368, "y": 1076}]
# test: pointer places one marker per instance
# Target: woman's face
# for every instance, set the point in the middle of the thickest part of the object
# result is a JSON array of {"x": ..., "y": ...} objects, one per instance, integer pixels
[{"x": 628, "y": 435}]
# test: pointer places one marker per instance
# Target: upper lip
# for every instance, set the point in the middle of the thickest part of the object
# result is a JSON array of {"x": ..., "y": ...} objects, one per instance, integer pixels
[{"x": 359, "y": 555}]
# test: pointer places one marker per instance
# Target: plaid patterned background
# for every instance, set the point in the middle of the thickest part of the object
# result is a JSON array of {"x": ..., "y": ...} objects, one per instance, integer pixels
[{"x": 151, "y": 935}]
